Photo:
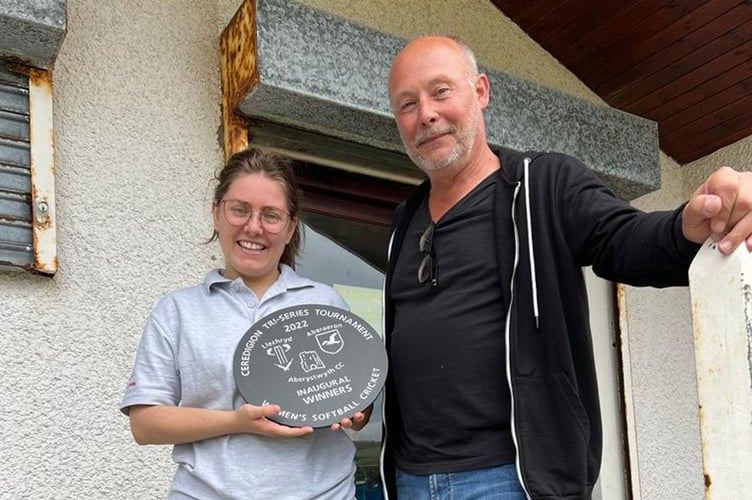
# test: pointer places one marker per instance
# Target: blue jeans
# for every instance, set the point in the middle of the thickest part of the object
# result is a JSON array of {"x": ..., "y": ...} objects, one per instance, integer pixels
[{"x": 497, "y": 483}]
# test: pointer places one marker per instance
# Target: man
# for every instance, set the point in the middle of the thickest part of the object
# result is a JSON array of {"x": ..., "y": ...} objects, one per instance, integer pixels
[{"x": 492, "y": 389}]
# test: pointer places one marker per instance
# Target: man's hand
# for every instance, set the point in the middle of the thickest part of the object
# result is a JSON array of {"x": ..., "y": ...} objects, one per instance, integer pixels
[
  {"x": 722, "y": 208},
  {"x": 357, "y": 422}
]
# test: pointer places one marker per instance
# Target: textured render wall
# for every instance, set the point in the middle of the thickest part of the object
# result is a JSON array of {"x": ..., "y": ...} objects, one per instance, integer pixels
[
  {"x": 737, "y": 155},
  {"x": 137, "y": 107},
  {"x": 664, "y": 387},
  {"x": 659, "y": 328}
]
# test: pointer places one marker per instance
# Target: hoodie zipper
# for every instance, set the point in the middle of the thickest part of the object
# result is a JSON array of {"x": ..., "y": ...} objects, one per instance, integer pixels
[{"x": 507, "y": 330}]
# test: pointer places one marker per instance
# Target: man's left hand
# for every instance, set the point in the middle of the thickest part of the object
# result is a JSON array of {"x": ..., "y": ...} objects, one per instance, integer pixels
[{"x": 722, "y": 208}]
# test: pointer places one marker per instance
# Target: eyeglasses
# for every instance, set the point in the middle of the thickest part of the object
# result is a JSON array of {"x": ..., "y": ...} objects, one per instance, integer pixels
[
  {"x": 238, "y": 213},
  {"x": 427, "y": 269}
]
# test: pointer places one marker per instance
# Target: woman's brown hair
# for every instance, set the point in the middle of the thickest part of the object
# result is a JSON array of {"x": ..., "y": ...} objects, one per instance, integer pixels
[{"x": 276, "y": 168}]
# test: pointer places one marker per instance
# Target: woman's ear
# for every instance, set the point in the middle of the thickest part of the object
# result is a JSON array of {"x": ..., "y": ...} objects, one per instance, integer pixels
[{"x": 293, "y": 227}]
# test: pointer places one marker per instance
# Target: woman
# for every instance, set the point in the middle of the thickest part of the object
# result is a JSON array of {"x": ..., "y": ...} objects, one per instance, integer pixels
[{"x": 182, "y": 391}]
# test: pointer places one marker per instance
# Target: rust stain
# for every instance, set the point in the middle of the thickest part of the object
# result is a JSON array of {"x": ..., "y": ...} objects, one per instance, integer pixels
[
  {"x": 42, "y": 219},
  {"x": 747, "y": 293},
  {"x": 701, "y": 414},
  {"x": 47, "y": 270},
  {"x": 621, "y": 302},
  {"x": 18, "y": 68},
  {"x": 43, "y": 81},
  {"x": 44, "y": 224},
  {"x": 621, "y": 291},
  {"x": 238, "y": 63},
  {"x": 42, "y": 171},
  {"x": 41, "y": 78},
  {"x": 42, "y": 168},
  {"x": 37, "y": 258}
]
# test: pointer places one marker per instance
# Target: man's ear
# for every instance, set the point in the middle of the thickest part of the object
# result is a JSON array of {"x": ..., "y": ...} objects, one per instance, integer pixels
[{"x": 483, "y": 90}]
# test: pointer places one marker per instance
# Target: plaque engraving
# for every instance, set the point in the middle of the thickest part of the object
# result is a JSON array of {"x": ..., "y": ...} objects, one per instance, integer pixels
[{"x": 320, "y": 364}]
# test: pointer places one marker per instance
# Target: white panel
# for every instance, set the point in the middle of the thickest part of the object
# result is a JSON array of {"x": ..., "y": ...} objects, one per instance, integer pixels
[{"x": 721, "y": 290}]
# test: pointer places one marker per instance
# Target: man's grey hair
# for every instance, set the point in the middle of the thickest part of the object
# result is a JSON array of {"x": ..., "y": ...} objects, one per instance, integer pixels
[{"x": 470, "y": 58}]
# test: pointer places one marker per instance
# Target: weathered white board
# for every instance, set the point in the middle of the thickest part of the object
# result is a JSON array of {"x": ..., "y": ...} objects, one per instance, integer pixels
[{"x": 721, "y": 291}]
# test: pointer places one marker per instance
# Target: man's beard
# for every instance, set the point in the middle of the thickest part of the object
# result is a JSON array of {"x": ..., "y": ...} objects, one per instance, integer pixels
[{"x": 464, "y": 143}]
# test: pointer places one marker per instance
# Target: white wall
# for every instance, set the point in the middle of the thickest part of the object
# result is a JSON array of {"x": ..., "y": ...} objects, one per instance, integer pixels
[
  {"x": 136, "y": 113},
  {"x": 663, "y": 383}
]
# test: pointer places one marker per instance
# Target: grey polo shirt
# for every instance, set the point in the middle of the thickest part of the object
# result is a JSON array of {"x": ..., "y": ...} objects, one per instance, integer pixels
[{"x": 185, "y": 359}]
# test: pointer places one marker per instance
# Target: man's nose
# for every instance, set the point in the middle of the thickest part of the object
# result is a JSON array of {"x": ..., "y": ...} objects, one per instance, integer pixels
[{"x": 427, "y": 113}]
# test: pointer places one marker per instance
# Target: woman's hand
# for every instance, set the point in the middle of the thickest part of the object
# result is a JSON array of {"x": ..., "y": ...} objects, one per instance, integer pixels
[
  {"x": 154, "y": 424},
  {"x": 255, "y": 420}
]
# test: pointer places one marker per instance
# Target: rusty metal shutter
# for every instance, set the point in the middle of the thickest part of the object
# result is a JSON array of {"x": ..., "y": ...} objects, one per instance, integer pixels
[{"x": 16, "y": 234}]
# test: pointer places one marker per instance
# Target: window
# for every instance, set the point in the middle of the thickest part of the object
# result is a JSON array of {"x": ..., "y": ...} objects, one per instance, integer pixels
[
  {"x": 329, "y": 260},
  {"x": 27, "y": 200},
  {"x": 347, "y": 217}
]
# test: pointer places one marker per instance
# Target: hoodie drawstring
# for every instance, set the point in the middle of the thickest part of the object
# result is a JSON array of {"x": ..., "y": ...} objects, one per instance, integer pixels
[{"x": 531, "y": 257}]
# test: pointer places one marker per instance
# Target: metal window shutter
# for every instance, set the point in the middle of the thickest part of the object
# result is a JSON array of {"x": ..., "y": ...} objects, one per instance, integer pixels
[{"x": 16, "y": 235}]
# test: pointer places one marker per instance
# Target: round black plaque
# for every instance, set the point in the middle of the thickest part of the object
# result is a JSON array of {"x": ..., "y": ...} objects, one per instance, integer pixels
[{"x": 320, "y": 364}]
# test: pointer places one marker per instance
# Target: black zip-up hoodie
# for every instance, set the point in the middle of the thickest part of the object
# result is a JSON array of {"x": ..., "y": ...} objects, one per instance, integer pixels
[{"x": 554, "y": 216}]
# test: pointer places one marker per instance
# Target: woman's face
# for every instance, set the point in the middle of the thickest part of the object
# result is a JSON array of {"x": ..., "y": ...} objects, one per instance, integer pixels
[{"x": 251, "y": 251}]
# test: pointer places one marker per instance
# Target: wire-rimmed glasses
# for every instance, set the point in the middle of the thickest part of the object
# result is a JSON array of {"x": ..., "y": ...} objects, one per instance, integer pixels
[
  {"x": 427, "y": 269},
  {"x": 238, "y": 213}
]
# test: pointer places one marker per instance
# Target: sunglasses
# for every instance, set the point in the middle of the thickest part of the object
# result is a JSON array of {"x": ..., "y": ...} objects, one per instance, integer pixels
[{"x": 427, "y": 269}]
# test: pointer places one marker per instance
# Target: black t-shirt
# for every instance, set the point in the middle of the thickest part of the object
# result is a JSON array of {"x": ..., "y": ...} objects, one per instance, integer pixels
[{"x": 447, "y": 347}]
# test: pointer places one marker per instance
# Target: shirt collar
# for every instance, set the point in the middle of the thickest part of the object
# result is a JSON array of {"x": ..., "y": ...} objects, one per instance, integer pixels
[{"x": 288, "y": 280}]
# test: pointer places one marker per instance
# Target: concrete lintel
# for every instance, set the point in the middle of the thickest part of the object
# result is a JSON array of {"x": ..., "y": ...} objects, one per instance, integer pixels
[
  {"x": 32, "y": 31},
  {"x": 325, "y": 74}
]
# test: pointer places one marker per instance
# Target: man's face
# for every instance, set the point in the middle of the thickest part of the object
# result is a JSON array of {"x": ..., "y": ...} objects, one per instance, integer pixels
[{"x": 437, "y": 103}]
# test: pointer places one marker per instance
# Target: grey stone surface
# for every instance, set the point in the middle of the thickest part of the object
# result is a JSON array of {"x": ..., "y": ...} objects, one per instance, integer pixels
[
  {"x": 32, "y": 31},
  {"x": 322, "y": 73}
]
